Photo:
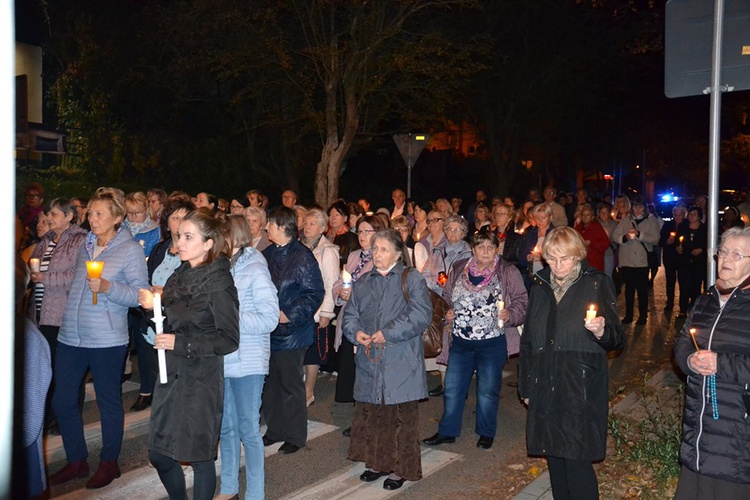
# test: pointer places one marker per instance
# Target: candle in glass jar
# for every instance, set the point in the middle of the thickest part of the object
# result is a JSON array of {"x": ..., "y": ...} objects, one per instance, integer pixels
[
  {"x": 591, "y": 313},
  {"x": 94, "y": 269},
  {"x": 346, "y": 278}
]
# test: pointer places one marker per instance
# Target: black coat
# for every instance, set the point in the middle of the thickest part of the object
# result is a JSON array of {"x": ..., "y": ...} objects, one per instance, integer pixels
[
  {"x": 563, "y": 367},
  {"x": 717, "y": 448},
  {"x": 670, "y": 257},
  {"x": 203, "y": 312}
]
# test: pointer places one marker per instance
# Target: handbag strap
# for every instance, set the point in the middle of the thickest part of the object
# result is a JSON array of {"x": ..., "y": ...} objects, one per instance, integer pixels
[{"x": 404, "y": 275}]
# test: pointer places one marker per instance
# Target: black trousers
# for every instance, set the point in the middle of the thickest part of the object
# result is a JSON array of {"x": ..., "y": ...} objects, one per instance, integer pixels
[
  {"x": 573, "y": 479},
  {"x": 284, "y": 406},
  {"x": 670, "y": 272},
  {"x": 635, "y": 279},
  {"x": 173, "y": 479}
]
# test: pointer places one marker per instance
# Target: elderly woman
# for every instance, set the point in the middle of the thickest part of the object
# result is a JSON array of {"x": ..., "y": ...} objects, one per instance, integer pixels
[
  {"x": 480, "y": 340},
  {"x": 435, "y": 238},
  {"x": 256, "y": 218},
  {"x": 245, "y": 369},
  {"x": 669, "y": 242},
  {"x": 563, "y": 364},
  {"x": 359, "y": 262},
  {"x": 388, "y": 310},
  {"x": 201, "y": 326},
  {"x": 481, "y": 218},
  {"x": 144, "y": 229},
  {"x": 530, "y": 250},
  {"x": 327, "y": 255},
  {"x": 338, "y": 231},
  {"x": 94, "y": 335},
  {"x": 636, "y": 235},
  {"x": 594, "y": 236},
  {"x": 57, "y": 253},
  {"x": 712, "y": 350}
]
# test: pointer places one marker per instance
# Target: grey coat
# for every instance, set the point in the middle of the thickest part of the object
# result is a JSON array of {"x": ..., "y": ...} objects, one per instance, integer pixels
[
  {"x": 634, "y": 253},
  {"x": 395, "y": 374}
]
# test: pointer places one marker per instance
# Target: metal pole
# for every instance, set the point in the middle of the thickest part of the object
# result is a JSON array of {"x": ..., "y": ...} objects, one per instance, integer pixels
[
  {"x": 643, "y": 176},
  {"x": 408, "y": 172},
  {"x": 713, "y": 171}
]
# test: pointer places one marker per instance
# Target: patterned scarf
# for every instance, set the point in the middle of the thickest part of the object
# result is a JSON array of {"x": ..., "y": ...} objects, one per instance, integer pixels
[
  {"x": 364, "y": 257},
  {"x": 561, "y": 285},
  {"x": 486, "y": 274}
]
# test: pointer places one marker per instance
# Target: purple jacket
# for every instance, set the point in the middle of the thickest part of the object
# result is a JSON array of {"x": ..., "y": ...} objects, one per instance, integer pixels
[
  {"x": 516, "y": 300},
  {"x": 59, "y": 274}
]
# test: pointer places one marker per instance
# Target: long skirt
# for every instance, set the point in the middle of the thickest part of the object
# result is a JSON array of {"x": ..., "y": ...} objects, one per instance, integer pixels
[{"x": 386, "y": 438}]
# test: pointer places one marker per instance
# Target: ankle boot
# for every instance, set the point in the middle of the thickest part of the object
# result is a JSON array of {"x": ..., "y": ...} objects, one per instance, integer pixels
[
  {"x": 105, "y": 474},
  {"x": 73, "y": 470}
]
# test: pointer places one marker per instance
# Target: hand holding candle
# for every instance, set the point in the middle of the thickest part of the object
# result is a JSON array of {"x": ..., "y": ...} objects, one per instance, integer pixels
[
  {"x": 500, "y": 309},
  {"x": 34, "y": 265},
  {"x": 346, "y": 278},
  {"x": 94, "y": 269},
  {"x": 593, "y": 323},
  {"x": 591, "y": 313},
  {"x": 159, "y": 328}
]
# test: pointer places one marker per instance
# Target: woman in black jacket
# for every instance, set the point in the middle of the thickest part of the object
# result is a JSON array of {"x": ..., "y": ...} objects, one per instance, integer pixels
[
  {"x": 201, "y": 306},
  {"x": 715, "y": 451},
  {"x": 563, "y": 364}
]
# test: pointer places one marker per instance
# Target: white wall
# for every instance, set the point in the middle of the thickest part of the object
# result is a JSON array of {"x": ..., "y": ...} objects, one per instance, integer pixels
[{"x": 29, "y": 63}]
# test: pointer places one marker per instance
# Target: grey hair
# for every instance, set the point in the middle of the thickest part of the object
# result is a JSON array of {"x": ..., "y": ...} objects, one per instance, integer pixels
[
  {"x": 735, "y": 232},
  {"x": 320, "y": 216},
  {"x": 460, "y": 220},
  {"x": 257, "y": 212}
]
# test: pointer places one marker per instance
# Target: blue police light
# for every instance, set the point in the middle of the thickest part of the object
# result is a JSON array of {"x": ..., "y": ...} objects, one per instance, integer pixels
[{"x": 669, "y": 197}]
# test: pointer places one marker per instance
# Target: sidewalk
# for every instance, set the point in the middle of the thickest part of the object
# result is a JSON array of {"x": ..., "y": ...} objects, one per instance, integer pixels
[{"x": 662, "y": 381}]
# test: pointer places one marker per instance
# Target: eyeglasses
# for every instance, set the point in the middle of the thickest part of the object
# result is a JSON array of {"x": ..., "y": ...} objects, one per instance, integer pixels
[
  {"x": 135, "y": 214},
  {"x": 562, "y": 260},
  {"x": 452, "y": 229},
  {"x": 236, "y": 208},
  {"x": 730, "y": 256},
  {"x": 432, "y": 221},
  {"x": 365, "y": 231}
]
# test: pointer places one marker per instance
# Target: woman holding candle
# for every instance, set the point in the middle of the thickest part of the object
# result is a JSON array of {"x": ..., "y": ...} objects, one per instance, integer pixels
[
  {"x": 359, "y": 262},
  {"x": 488, "y": 301},
  {"x": 202, "y": 325},
  {"x": 389, "y": 308},
  {"x": 529, "y": 252},
  {"x": 594, "y": 236},
  {"x": 56, "y": 255},
  {"x": 715, "y": 450},
  {"x": 563, "y": 364},
  {"x": 421, "y": 210},
  {"x": 338, "y": 231},
  {"x": 94, "y": 335},
  {"x": 245, "y": 369},
  {"x": 162, "y": 262},
  {"x": 636, "y": 234},
  {"x": 669, "y": 243},
  {"x": 691, "y": 249}
]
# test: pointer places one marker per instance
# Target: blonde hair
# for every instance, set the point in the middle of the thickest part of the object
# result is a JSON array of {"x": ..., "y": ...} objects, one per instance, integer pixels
[
  {"x": 139, "y": 199},
  {"x": 564, "y": 240}
]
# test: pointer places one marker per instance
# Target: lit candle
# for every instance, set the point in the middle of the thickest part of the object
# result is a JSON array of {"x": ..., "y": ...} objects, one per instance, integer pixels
[
  {"x": 500, "y": 307},
  {"x": 672, "y": 234},
  {"x": 346, "y": 278},
  {"x": 681, "y": 238},
  {"x": 591, "y": 313},
  {"x": 94, "y": 269},
  {"x": 34, "y": 265},
  {"x": 695, "y": 342},
  {"x": 159, "y": 324}
]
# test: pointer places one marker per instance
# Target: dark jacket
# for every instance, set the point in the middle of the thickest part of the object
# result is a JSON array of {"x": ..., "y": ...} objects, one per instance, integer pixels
[
  {"x": 296, "y": 274},
  {"x": 396, "y": 373},
  {"x": 563, "y": 367},
  {"x": 201, "y": 306},
  {"x": 347, "y": 243},
  {"x": 669, "y": 252},
  {"x": 717, "y": 448},
  {"x": 156, "y": 256},
  {"x": 512, "y": 245},
  {"x": 693, "y": 239}
]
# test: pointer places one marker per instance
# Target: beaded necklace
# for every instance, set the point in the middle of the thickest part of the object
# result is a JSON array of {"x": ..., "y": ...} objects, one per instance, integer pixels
[{"x": 712, "y": 396}]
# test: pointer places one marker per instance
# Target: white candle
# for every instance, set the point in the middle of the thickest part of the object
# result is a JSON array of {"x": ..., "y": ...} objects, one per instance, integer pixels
[
  {"x": 346, "y": 278},
  {"x": 500, "y": 307},
  {"x": 591, "y": 313},
  {"x": 34, "y": 265},
  {"x": 159, "y": 324}
]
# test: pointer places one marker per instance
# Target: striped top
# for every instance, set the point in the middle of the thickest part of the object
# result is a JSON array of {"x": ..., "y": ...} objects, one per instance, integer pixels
[{"x": 43, "y": 267}]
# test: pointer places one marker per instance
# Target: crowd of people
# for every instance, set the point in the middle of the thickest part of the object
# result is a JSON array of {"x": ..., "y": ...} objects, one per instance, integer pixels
[{"x": 249, "y": 301}]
